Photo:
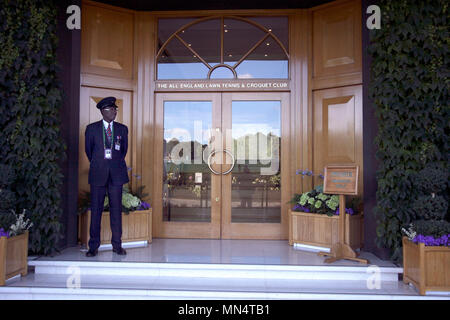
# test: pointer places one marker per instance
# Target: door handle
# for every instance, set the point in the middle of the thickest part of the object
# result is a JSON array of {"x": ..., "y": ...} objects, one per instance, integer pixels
[
  {"x": 214, "y": 171},
  {"x": 232, "y": 162}
]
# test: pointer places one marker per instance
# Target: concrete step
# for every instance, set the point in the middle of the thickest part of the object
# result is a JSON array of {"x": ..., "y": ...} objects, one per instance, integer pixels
[
  {"x": 56, "y": 279},
  {"x": 82, "y": 286},
  {"x": 210, "y": 270}
]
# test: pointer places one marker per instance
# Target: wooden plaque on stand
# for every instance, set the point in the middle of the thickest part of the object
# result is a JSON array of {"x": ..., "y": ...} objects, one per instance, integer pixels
[{"x": 341, "y": 180}]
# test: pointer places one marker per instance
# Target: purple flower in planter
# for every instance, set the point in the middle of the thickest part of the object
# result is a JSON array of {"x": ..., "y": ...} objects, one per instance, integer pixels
[
  {"x": 301, "y": 208},
  {"x": 432, "y": 241},
  {"x": 3, "y": 233},
  {"x": 347, "y": 210},
  {"x": 144, "y": 206}
]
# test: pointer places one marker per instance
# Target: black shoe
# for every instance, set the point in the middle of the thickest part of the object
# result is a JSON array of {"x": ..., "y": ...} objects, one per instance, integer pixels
[
  {"x": 120, "y": 251},
  {"x": 91, "y": 253}
]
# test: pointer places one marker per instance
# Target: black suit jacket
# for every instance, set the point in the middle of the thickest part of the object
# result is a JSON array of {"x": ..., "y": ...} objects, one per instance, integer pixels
[{"x": 100, "y": 167}]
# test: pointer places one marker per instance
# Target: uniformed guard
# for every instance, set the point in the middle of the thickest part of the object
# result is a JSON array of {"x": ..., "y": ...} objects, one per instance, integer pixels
[{"x": 106, "y": 143}]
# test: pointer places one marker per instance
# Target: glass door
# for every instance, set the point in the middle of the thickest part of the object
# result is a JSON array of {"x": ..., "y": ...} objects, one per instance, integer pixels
[
  {"x": 190, "y": 193},
  {"x": 221, "y": 165},
  {"x": 255, "y": 191}
]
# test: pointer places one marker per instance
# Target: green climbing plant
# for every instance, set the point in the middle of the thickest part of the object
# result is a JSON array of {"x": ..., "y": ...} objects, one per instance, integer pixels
[
  {"x": 30, "y": 101},
  {"x": 409, "y": 87}
]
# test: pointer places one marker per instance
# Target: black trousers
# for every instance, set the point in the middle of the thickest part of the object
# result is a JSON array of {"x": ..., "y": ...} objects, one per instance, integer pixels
[{"x": 98, "y": 194}]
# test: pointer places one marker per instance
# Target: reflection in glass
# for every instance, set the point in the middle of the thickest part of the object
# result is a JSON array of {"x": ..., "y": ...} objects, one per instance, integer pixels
[
  {"x": 279, "y": 26},
  {"x": 200, "y": 48},
  {"x": 186, "y": 177},
  {"x": 178, "y": 62},
  {"x": 222, "y": 73},
  {"x": 238, "y": 38},
  {"x": 167, "y": 26},
  {"x": 267, "y": 61},
  {"x": 256, "y": 134},
  {"x": 204, "y": 38}
]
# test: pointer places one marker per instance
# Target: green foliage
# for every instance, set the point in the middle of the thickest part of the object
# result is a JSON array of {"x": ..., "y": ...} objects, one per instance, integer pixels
[
  {"x": 436, "y": 228},
  {"x": 315, "y": 201},
  {"x": 30, "y": 101},
  {"x": 7, "y": 196},
  {"x": 131, "y": 201},
  {"x": 409, "y": 87},
  {"x": 427, "y": 207},
  {"x": 295, "y": 198},
  {"x": 7, "y": 176},
  {"x": 7, "y": 219},
  {"x": 433, "y": 178}
]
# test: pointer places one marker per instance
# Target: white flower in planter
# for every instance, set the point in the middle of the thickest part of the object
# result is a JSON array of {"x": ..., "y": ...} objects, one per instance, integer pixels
[
  {"x": 21, "y": 225},
  {"x": 410, "y": 233}
]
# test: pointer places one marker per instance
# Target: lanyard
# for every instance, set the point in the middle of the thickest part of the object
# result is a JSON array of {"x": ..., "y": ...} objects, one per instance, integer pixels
[{"x": 112, "y": 136}]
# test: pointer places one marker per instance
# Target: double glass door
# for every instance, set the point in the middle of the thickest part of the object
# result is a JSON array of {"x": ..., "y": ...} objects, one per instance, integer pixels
[{"x": 220, "y": 161}]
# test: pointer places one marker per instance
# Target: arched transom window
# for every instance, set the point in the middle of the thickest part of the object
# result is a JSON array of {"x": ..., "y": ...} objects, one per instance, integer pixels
[{"x": 223, "y": 47}]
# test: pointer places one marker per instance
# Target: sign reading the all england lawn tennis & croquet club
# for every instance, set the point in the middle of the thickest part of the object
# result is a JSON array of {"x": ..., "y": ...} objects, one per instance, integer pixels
[
  {"x": 222, "y": 85},
  {"x": 341, "y": 179}
]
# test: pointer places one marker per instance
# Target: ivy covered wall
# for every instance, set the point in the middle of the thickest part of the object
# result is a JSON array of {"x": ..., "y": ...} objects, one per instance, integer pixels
[
  {"x": 409, "y": 87},
  {"x": 30, "y": 102}
]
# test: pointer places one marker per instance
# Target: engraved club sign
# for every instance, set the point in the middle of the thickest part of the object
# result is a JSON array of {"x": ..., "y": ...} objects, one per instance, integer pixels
[
  {"x": 222, "y": 85},
  {"x": 341, "y": 179}
]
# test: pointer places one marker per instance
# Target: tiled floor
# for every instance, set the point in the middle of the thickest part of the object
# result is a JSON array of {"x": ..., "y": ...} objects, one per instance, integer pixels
[{"x": 264, "y": 252}]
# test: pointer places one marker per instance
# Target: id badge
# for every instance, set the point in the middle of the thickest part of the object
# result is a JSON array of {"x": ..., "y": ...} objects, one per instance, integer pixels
[
  {"x": 117, "y": 146},
  {"x": 108, "y": 154}
]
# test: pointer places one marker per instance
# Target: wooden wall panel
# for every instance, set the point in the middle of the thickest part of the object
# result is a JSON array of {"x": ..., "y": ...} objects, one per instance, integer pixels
[
  {"x": 143, "y": 99},
  {"x": 107, "y": 41},
  {"x": 337, "y": 51},
  {"x": 89, "y": 114},
  {"x": 338, "y": 129},
  {"x": 301, "y": 98}
]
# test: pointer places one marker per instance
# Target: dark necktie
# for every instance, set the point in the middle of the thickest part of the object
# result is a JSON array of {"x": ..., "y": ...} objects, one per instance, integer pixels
[{"x": 109, "y": 134}]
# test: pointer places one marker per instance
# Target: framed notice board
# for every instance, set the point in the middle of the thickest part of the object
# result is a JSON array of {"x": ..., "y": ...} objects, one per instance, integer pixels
[{"x": 341, "y": 179}]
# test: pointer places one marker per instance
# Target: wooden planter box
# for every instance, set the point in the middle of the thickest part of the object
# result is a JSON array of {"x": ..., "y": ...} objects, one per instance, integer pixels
[
  {"x": 13, "y": 257},
  {"x": 136, "y": 226},
  {"x": 426, "y": 267},
  {"x": 323, "y": 231}
]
